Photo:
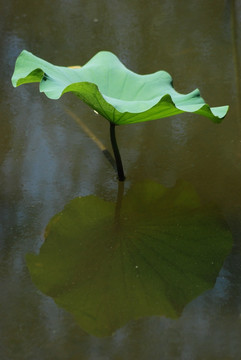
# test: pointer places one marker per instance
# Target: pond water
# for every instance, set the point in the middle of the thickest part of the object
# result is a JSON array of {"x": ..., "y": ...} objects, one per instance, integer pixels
[{"x": 131, "y": 297}]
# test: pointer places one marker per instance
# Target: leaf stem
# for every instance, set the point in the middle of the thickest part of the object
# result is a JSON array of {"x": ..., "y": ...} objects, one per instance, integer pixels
[{"x": 119, "y": 166}]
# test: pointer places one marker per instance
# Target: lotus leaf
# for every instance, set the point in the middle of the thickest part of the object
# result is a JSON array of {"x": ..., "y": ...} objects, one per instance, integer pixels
[
  {"x": 108, "y": 265},
  {"x": 117, "y": 93}
]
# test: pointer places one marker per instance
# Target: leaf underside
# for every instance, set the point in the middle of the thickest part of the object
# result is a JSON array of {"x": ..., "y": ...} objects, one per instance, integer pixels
[{"x": 115, "y": 92}]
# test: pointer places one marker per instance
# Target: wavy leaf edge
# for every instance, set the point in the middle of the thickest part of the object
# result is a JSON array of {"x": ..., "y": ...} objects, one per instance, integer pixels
[{"x": 114, "y": 109}]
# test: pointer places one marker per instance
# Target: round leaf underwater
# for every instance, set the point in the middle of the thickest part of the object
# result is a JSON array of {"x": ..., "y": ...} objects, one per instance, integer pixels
[{"x": 150, "y": 254}]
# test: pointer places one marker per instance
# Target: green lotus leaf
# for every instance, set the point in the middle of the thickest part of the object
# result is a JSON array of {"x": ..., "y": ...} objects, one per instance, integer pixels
[
  {"x": 108, "y": 265},
  {"x": 115, "y": 92}
]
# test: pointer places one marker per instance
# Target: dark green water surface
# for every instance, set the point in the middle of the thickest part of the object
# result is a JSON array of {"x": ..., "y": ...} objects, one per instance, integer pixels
[{"x": 155, "y": 274}]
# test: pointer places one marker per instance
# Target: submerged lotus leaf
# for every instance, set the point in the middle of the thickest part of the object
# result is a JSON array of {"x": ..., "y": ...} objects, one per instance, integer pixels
[
  {"x": 115, "y": 92},
  {"x": 108, "y": 265}
]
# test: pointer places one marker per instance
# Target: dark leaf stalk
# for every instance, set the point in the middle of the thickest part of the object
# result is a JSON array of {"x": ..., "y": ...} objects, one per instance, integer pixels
[{"x": 119, "y": 166}]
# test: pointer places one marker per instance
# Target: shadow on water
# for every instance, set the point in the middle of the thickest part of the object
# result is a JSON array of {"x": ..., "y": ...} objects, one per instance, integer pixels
[{"x": 151, "y": 253}]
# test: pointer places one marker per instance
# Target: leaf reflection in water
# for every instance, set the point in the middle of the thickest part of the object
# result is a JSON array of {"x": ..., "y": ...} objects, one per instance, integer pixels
[{"x": 107, "y": 265}]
